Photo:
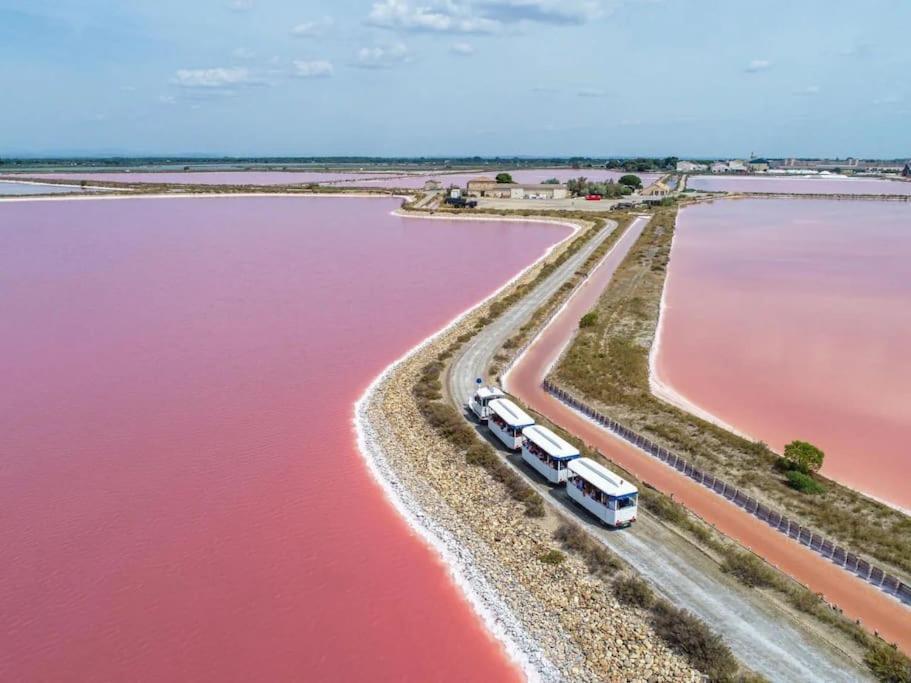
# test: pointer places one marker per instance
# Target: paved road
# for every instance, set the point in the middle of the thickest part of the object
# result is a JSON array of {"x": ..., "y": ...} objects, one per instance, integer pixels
[
  {"x": 476, "y": 356},
  {"x": 764, "y": 638}
]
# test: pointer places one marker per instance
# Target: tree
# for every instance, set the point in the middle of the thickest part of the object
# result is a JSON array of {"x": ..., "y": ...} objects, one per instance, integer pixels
[
  {"x": 551, "y": 181},
  {"x": 504, "y": 178},
  {"x": 577, "y": 186},
  {"x": 631, "y": 180},
  {"x": 803, "y": 456}
]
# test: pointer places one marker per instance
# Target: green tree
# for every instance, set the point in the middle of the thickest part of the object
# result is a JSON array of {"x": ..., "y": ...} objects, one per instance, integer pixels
[
  {"x": 551, "y": 181},
  {"x": 577, "y": 186},
  {"x": 504, "y": 178},
  {"x": 631, "y": 180},
  {"x": 803, "y": 456}
]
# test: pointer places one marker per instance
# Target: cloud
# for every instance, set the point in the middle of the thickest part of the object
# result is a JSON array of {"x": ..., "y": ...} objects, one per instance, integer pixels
[
  {"x": 592, "y": 92},
  {"x": 218, "y": 77},
  {"x": 382, "y": 57},
  {"x": 572, "y": 12},
  {"x": 479, "y": 16},
  {"x": 218, "y": 81},
  {"x": 243, "y": 53},
  {"x": 317, "y": 68},
  {"x": 454, "y": 16},
  {"x": 463, "y": 49},
  {"x": 314, "y": 28},
  {"x": 758, "y": 65},
  {"x": 241, "y": 5},
  {"x": 887, "y": 99}
]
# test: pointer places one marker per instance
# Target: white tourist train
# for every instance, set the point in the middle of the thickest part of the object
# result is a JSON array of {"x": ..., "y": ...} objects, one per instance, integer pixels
[
  {"x": 608, "y": 497},
  {"x": 548, "y": 453},
  {"x": 506, "y": 421},
  {"x": 479, "y": 401}
]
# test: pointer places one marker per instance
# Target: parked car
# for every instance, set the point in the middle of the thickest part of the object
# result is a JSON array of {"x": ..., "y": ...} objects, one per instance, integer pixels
[{"x": 593, "y": 197}]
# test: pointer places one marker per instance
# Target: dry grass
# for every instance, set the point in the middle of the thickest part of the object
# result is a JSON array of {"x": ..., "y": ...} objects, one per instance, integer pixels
[{"x": 607, "y": 364}]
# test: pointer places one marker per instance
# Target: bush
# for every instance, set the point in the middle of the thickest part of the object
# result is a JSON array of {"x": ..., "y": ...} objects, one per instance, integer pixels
[
  {"x": 688, "y": 635},
  {"x": 804, "y": 483},
  {"x": 888, "y": 664},
  {"x": 553, "y": 557},
  {"x": 481, "y": 455},
  {"x": 803, "y": 456},
  {"x": 504, "y": 178},
  {"x": 588, "y": 319},
  {"x": 749, "y": 569},
  {"x": 662, "y": 506},
  {"x": 631, "y": 590},
  {"x": 599, "y": 560},
  {"x": 630, "y": 180}
]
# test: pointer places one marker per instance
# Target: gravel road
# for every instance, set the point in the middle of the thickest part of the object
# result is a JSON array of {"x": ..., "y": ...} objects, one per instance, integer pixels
[{"x": 762, "y": 636}]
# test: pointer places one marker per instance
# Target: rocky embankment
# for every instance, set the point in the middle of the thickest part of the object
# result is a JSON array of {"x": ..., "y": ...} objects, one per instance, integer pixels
[{"x": 556, "y": 620}]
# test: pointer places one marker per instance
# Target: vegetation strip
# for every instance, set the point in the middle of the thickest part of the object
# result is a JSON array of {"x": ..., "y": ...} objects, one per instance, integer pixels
[
  {"x": 822, "y": 545},
  {"x": 607, "y": 366}
]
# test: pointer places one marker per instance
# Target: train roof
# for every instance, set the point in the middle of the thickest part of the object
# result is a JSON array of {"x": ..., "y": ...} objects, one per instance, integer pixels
[
  {"x": 510, "y": 413},
  {"x": 550, "y": 443},
  {"x": 601, "y": 478},
  {"x": 487, "y": 392}
]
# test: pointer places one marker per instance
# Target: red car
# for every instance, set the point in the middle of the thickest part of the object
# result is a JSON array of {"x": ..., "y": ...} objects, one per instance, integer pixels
[{"x": 593, "y": 197}]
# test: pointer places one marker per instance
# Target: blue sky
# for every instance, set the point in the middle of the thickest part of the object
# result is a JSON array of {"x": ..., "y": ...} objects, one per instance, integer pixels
[{"x": 456, "y": 77}]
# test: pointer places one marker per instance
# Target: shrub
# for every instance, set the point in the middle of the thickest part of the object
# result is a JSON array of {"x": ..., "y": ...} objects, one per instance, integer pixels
[
  {"x": 481, "y": 455},
  {"x": 804, "y": 483},
  {"x": 888, "y": 664},
  {"x": 688, "y": 635},
  {"x": 630, "y": 180},
  {"x": 662, "y": 506},
  {"x": 588, "y": 319},
  {"x": 631, "y": 590},
  {"x": 599, "y": 560},
  {"x": 803, "y": 456},
  {"x": 748, "y": 569},
  {"x": 553, "y": 557},
  {"x": 504, "y": 178}
]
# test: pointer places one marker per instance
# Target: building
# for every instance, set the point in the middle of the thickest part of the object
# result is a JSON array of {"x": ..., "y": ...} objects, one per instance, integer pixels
[
  {"x": 433, "y": 185},
  {"x": 737, "y": 166},
  {"x": 759, "y": 165},
  {"x": 719, "y": 167},
  {"x": 486, "y": 187},
  {"x": 906, "y": 171},
  {"x": 690, "y": 167}
]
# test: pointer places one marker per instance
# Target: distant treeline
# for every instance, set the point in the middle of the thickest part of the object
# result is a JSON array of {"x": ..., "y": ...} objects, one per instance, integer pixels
[{"x": 637, "y": 164}]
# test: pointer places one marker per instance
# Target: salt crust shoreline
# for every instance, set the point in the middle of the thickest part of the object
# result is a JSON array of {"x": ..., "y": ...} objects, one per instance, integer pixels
[{"x": 499, "y": 620}]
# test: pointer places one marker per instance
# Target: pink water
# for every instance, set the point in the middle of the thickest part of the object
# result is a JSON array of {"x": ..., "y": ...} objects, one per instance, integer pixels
[
  {"x": 384, "y": 179},
  {"x": 538, "y": 175},
  {"x": 790, "y": 319},
  {"x": 217, "y": 177},
  {"x": 804, "y": 185},
  {"x": 182, "y": 498}
]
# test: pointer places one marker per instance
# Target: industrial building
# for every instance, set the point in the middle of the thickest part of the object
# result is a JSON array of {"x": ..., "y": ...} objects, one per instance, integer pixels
[{"x": 488, "y": 187}]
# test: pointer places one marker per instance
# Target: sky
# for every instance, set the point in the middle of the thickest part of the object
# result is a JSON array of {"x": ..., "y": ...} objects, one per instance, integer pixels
[{"x": 456, "y": 77}]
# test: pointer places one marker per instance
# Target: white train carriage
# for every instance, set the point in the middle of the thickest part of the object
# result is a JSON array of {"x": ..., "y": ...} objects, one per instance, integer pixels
[
  {"x": 607, "y": 496},
  {"x": 480, "y": 400},
  {"x": 548, "y": 453},
  {"x": 506, "y": 421}
]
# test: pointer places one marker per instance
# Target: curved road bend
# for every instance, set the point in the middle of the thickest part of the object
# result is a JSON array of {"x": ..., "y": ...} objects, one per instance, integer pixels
[
  {"x": 859, "y": 600},
  {"x": 760, "y": 635}
]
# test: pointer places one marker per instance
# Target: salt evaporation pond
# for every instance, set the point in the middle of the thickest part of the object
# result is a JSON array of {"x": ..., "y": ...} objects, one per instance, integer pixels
[
  {"x": 10, "y": 188},
  {"x": 802, "y": 185},
  {"x": 182, "y": 494},
  {"x": 520, "y": 176},
  {"x": 790, "y": 319},
  {"x": 218, "y": 177}
]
